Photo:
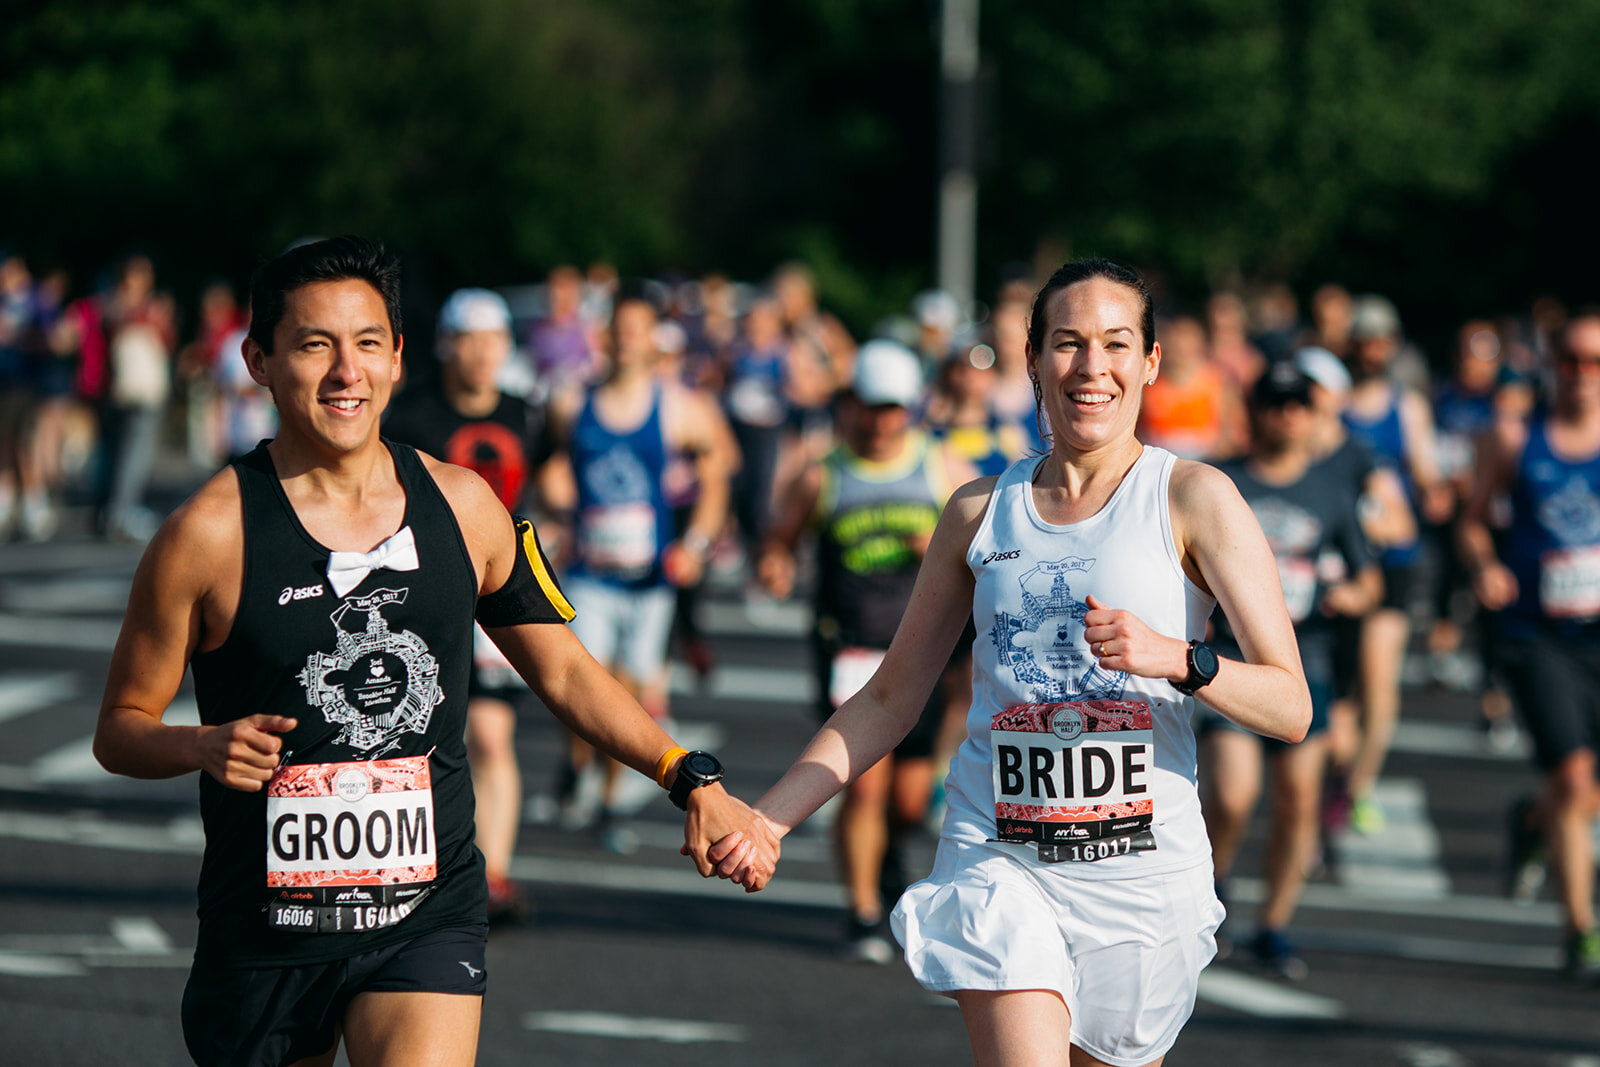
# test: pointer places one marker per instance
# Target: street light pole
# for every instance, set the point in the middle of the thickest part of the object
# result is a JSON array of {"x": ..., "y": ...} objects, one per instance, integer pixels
[{"x": 958, "y": 140}]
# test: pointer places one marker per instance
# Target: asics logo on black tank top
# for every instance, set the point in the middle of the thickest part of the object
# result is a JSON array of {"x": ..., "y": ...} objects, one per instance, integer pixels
[
  {"x": 996, "y": 556},
  {"x": 303, "y": 593}
]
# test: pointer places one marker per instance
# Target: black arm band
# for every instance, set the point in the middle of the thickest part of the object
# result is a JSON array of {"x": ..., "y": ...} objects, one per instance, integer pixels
[{"x": 531, "y": 593}]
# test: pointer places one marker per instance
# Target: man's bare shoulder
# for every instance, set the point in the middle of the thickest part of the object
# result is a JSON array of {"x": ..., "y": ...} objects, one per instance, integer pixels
[
  {"x": 463, "y": 490},
  {"x": 210, "y": 522},
  {"x": 202, "y": 541}
]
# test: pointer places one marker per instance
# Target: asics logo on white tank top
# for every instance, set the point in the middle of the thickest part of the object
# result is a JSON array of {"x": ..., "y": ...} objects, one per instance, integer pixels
[
  {"x": 997, "y": 556},
  {"x": 304, "y": 593}
]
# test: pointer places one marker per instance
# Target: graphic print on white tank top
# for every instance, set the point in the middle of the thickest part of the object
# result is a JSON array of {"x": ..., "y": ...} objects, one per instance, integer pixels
[{"x": 1091, "y": 766}]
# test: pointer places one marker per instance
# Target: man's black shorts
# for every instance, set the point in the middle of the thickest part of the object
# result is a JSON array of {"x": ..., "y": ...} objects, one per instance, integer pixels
[
  {"x": 268, "y": 1016},
  {"x": 1556, "y": 689}
]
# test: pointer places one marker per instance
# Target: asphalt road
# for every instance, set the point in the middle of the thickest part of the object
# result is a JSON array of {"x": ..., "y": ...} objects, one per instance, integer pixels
[{"x": 1416, "y": 956}]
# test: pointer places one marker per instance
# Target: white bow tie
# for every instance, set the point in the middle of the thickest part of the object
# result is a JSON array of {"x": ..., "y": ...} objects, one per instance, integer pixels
[{"x": 346, "y": 570}]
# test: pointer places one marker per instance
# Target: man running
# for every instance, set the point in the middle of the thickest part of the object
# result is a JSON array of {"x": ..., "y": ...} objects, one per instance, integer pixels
[
  {"x": 323, "y": 588},
  {"x": 616, "y": 439},
  {"x": 470, "y": 422},
  {"x": 1327, "y": 570},
  {"x": 1545, "y": 579}
]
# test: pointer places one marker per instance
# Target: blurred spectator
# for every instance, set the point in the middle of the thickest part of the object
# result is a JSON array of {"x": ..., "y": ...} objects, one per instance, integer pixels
[
  {"x": 960, "y": 414},
  {"x": 757, "y": 398},
  {"x": 1012, "y": 395},
  {"x": 1331, "y": 309},
  {"x": 17, "y": 334},
  {"x": 561, "y": 344},
  {"x": 1192, "y": 408},
  {"x": 1275, "y": 321},
  {"x": 824, "y": 337},
  {"x": 138, "y": 322},
  {"x": 220, "y": 317},
  {"x": 1231, "y": 350},
  {"x": 938, "y": 316},
  {"x": 245, "y": 410}
]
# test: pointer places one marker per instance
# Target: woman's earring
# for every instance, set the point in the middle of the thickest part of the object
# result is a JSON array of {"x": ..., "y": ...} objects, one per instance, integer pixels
[{"x": 1152, "y": 381}]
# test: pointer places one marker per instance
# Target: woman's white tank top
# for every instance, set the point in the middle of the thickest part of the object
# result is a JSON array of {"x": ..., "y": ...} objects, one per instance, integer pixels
[{"x": 1087, "y": 772}]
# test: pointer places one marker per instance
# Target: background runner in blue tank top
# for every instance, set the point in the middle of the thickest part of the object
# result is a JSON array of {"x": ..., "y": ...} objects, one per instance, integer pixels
[
  {"x": 615, "y": 441},
  {"x": 1547, "y": 579}
]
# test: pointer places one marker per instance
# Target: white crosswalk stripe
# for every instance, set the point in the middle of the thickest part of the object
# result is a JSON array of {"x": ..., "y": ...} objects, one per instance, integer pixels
[{"x": 23, "y": 694}]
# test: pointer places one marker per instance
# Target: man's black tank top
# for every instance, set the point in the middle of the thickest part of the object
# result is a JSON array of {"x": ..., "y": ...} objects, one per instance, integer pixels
[{"x": 378, "y": 674}]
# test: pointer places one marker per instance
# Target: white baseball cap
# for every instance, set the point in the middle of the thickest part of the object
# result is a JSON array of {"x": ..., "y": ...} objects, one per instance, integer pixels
[
  {"x": 471, "y": 310},
  {"x": 886, "y": 373},
  {"x": 1324, "y": 368}
]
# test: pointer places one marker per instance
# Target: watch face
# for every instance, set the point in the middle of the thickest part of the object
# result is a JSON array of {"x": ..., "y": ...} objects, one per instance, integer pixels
[
  {"x": 702, "y": 765},
  {"x": 1205, "y": 660}
]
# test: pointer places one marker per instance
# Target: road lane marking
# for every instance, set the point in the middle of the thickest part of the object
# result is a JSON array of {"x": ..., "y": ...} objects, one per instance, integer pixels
[
  {"x": 74, "y": 764},
  {"x": 135, "y": 941},
  {"x": 22, "y": 694},
  {"x": 632, "y": 1027},
  {"x": 72, "y": 595},
  {"x": 1402, "y": 859},
  {"x": 768, "y": 685},
  {"x": 1266, "y": 999},
  {"x": 46, "y": 631},
  {"x": 1454, "y": 739}
]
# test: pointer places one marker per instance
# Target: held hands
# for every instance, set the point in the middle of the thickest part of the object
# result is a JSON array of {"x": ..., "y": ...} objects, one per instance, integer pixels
[
  {"x": 1120, "y": 641},
  {"x": 243, "y": 754},
  {"x": 728, "y": 838}
]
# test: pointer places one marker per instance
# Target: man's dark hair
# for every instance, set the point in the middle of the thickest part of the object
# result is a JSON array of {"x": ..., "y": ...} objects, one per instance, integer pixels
[
  {"x": 332, "y": 260},
  {"x": 1080, "y": 270}
]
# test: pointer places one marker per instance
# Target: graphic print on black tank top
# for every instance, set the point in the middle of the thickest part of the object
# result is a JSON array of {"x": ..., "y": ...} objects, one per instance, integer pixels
[{"x": 1071, "y": 768}]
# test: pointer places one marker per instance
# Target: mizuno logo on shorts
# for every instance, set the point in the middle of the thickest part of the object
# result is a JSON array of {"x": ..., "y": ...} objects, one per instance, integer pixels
[
  {"x": 304, "y": 593},
  {"x": 995, "y": 556},
  {"x": 472, "y": 972}
]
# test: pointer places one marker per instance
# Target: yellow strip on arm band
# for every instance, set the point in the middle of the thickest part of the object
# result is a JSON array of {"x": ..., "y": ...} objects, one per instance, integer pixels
[
  {"x": 666, "y": 761},
  {"x": 530, "y": 547}
]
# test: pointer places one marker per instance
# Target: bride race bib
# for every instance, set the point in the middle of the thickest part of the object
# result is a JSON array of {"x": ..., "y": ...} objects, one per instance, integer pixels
[
  {"x": 350, "y": 846},
  {"x": 1075, "y": 778}
]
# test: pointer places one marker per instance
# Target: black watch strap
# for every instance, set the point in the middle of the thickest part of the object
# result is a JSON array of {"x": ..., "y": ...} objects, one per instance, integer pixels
[
  {"x": 1202, "y": 668},
  {"x": 695, "y": 769}
]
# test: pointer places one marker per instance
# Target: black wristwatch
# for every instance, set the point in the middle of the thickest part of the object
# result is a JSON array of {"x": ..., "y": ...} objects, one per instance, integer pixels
[
  {"x": 694, "y": 770},
  {"x": 1202, "y": 668}
]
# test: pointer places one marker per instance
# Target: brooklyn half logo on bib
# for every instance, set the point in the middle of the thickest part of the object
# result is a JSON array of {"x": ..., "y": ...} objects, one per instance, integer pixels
[{"x": 378, "y": 684}]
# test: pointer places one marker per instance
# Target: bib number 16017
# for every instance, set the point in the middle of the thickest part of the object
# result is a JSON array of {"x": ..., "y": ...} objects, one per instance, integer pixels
[{"x": 1089, "y": 851}]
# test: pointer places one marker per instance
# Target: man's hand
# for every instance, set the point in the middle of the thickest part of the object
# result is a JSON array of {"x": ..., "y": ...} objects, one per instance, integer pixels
[
  {"x": 742, "y": 839},
  {"x": 1120, "y": 641},
  {"x": 243, "y": 754}
]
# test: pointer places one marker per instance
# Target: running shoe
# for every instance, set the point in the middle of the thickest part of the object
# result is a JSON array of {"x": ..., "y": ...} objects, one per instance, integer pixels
[
  {"x": 1275, "y": 953},
  {"x": 1335, "y": 804},
  {"x": 507, "y": 905},
  {"x": 1527, "y": 865},
  {"x": 1583, "y": 958},
  {"x": 615, "y": 837},
  {"x": 867, "y": 941},
  {"x": 1366, "y": 817}
]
